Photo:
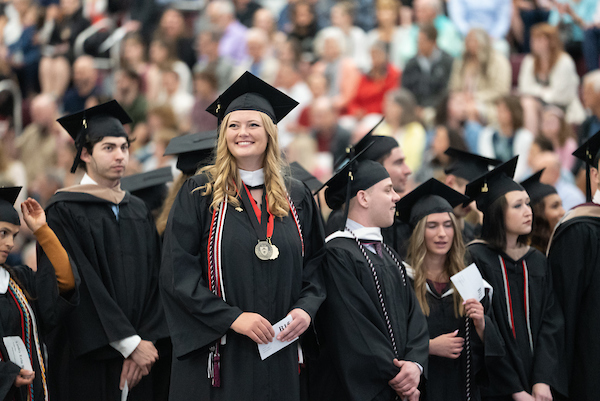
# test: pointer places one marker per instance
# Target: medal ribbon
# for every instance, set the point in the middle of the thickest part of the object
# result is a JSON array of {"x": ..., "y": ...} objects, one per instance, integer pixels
[{"x": 263, "y": 233}]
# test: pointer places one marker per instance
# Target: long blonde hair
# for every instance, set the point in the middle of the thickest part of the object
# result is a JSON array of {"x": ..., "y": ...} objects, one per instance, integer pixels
[
  {"x": 417, "y": 251},
  {"x": 224, "y": 173}
]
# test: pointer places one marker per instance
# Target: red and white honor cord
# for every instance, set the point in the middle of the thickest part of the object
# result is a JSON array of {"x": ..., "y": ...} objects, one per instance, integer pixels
[{"x": 526, "y": 300}]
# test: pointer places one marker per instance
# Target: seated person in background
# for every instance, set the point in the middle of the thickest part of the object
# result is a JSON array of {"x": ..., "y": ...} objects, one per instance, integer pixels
[
  {"x": 427, "y": 74},
  {"x": 481, "y": 72},
  {"x": 381, "y": 78}
]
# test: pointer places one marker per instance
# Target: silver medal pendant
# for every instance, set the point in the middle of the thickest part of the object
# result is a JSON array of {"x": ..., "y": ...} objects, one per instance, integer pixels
[
  {"x": 275, "y": 252},
  {"x": 264, "y": 250}
]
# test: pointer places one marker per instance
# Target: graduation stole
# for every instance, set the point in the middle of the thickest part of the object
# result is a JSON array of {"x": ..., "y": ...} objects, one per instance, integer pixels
[
  {"x": 215, "y": 279},
  {"x": 378, "y": 286},
  {"x": 509, "y": 306},
  {"x": 29, "y": 335}
]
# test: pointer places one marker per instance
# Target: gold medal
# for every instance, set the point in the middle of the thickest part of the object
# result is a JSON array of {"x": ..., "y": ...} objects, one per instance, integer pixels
[{"x": 264, "y": 250}]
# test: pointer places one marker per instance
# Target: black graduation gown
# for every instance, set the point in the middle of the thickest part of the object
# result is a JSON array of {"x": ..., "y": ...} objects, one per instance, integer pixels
[
  {"x": 447, "y": 377},
  {"x": 118, "y": 261},
  {"x": 397, "y": 236},
  {"x": 470, "y": 232},
  {"x": 48, "y": 307},
  {"x": 197, "y": 318},
  {"x": 356, "y": 360},
  {"x": 519, "y": 369},
  {"x": 574, "y": 258}
]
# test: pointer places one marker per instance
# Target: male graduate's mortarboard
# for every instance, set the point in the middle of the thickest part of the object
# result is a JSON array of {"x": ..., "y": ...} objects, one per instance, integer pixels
[
  {"x": 378, "y": 145},
  {"x": 8, "y": 213},
  {"x": 150, "y": 186},
  {"x": 300, "y": 173},
  {"x": 353, "y": 177},
  {"x": 589, "y": 152},
  {"x": 252, "y": 93},
  {"x": 193, "y": 151},
  {"x": 106, "y": 119},
  {"x": 494, "y": 184},
  {"x": 537, "y": 191},
  {"x": 430, "y": 197},
  {"x": 468, "y": 165}
]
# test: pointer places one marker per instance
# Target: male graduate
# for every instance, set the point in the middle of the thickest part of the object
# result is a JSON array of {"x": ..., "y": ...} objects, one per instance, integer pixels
[
  {"x": 106, "y": 344},
  {"x": 574, "y": 257},
  {"x": 373, "y": 335},
  {"x": 464, "y": 168},
  {"x": 386, "y": 151}
]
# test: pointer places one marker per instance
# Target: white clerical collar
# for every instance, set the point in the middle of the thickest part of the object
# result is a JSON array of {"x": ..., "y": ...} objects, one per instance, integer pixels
[
  {"x": 596, "y": 199},
  {"x": 253, "y": 178},
  {"x": 4, "y": 279},
  {"x": 87, "y": 180},
  {"x": 361, "y": 232}
]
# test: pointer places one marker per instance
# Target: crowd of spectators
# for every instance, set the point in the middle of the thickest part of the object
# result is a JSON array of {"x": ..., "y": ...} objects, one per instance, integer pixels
[{"x": 495, "y": 77}]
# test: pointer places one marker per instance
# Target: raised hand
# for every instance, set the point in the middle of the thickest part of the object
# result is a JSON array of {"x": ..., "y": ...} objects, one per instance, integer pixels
[{"x": 33, "y": 214}]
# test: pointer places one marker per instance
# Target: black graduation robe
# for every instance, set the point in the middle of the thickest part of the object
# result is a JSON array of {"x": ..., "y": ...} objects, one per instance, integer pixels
[
  {"x": 198, "y": 319},
  {"x": 48, "y": 306},
  {"x": 356, "y": 353},
  {"x": 470, "y": 232},
  {"x": 519, "y": 369},
  {"x": 118, "y": 261},
  {"x": 574, "y": 258},
  {"x": 397, "y": 236},
  {"x": 447, "y": 378}
]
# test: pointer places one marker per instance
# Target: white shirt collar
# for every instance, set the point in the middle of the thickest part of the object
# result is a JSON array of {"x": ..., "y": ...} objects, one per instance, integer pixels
[
  {"x": 87, "y": 180},
  {"x": 361, "y": 232},
  {"x": 596, "y": 199},
  {"x": 4, "y": 279},
  {"x": 253, "y": 178}
]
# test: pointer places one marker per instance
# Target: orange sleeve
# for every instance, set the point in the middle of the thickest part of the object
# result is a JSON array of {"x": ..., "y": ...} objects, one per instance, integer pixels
[{"x": 57, "y": 256}]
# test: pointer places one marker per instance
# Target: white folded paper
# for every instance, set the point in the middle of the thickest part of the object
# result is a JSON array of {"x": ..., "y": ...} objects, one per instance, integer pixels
[
  {"x": 266, "y": 350},
  {"x": 469, "y": 283},
  {"x": 17, "y": 353}
]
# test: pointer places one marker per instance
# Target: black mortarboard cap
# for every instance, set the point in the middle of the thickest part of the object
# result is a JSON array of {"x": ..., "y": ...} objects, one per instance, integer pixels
[
  {"x": 378, "y": 145},
  {"x": 589, "y": 152},
  {"x": 353, "y": 177},
  {"x": 430, "y": 197},
  {"x": 106, "y": 119},
  {"x": 8, "y": 213},
  {"x": 537, "y": 191},
  {"x": 193, "y": 151},
  {"x": 301, "y": 174},
  {"x": 150, "y": 186},
  {"x": 468, "y": 165},
  {"x": 492, "y": 185},
  {"x": 252, "y": 93}
]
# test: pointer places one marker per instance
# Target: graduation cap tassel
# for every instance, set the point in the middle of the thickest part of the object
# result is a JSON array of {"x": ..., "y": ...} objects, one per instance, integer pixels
[
  {"x": 588, "y": 185},
  {"x": 347, "y": 202}
]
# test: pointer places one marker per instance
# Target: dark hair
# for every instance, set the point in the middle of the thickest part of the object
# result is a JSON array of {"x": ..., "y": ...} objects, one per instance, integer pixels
[
  {"x": 513, "y": 104},
  {"x": 89, "y": 146},
  {"x": 540, "y": 230},
  {"x": 493, "y": 230},
  {"x": 429, "y": 31},
  {"x": 544, "y": 143}
]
